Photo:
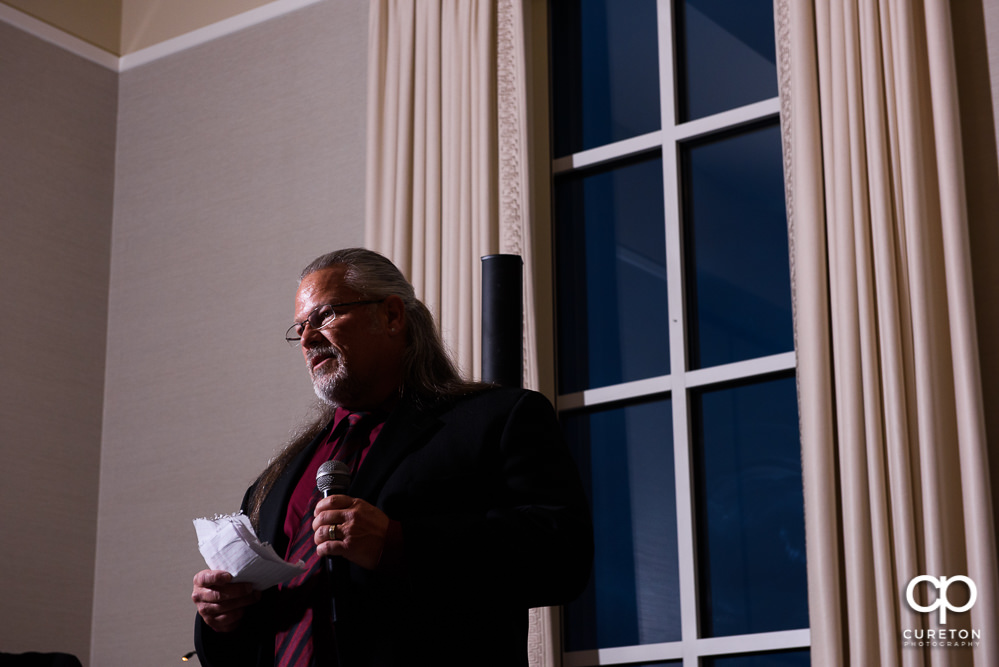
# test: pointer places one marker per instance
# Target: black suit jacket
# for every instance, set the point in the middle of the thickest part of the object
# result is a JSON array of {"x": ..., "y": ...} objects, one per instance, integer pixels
[{"x": 494, "y": 522}]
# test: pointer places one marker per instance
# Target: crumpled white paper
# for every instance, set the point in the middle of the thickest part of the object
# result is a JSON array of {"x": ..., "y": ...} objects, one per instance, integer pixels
[{"x": 228, "y": 543}]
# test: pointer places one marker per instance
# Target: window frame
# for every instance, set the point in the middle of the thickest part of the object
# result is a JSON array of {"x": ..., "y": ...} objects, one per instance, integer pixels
[{"x": 680, "y": 382}]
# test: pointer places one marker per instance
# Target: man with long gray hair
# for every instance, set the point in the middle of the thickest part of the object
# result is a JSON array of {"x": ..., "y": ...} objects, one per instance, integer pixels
[{"x": 463, "y": 508}]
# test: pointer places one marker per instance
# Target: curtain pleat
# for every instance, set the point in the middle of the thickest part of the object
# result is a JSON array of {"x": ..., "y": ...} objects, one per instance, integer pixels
[
  {"x": 432, "y": 155},
  {"x": 973, "y": 466},
  {"x": 894, "y": 451}
]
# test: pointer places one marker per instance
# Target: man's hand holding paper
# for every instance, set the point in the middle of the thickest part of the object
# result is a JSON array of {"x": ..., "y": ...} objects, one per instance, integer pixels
[
  {"x": 220, "y": 602},
  {"x": 228, "y": 543}
]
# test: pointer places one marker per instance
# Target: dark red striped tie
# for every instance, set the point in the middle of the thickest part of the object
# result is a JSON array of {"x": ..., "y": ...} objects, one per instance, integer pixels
[{"x": 312, "y": 634}]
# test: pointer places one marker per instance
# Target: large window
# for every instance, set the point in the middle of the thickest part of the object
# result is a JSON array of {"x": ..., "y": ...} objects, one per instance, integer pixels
[{"x": 676, "y": 363}]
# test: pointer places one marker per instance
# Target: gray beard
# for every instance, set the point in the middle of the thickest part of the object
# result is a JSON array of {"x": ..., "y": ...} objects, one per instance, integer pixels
[{"x": 337, "y": 387}]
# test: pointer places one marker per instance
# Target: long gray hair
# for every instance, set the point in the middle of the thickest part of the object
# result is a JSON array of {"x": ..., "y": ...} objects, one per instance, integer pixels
[{"x": 429, "y": 374}]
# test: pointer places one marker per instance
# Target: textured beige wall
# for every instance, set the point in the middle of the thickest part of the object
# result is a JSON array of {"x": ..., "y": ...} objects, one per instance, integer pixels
[
  {"x": 239, "y": 161},
  {"x": 57, "y": 146}
]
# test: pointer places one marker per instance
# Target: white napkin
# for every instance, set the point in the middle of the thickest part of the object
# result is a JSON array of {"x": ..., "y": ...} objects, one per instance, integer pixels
[{"x": 228, "y": 543}]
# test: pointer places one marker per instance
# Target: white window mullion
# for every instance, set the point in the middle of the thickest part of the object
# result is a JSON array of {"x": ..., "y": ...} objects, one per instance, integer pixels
[
  {"x": 736, "y": 644},
  {"x": 615, "y": 393},
  {"x": 623, "y": 655},
  {"x": 685, "y": 523},
  {"x": 729, "y": 120},
  {"x": 664, "y": 384},
  {"x": 607, "y": 153}
]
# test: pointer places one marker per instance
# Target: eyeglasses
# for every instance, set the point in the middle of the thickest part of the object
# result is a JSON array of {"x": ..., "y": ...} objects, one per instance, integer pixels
[{"x": 321, "y": 317}]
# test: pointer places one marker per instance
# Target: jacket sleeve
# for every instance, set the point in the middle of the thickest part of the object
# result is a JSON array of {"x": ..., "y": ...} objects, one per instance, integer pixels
[
  {"x": 519, "y": 530},
  {"x": 241, "y": 648},
  {"x": 225, "y": 649}
]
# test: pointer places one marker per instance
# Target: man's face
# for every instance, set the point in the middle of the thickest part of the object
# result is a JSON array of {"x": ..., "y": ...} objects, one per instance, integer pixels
[{"x": 353, "y": 362}]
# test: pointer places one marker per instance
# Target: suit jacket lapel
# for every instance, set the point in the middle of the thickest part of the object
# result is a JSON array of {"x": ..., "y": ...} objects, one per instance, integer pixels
[
  {"x": 272, "y": 514},
  {"x": 408, "y": 428}
]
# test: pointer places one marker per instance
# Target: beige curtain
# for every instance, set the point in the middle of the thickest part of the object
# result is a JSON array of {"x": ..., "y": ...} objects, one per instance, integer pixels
[
  {"x": 894, "y": 449},
  {"x": 447, "y": 154},
  {"x": 450, "y": 151}
]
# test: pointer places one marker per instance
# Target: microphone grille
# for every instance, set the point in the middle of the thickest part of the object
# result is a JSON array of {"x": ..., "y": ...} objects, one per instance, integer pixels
[{"x": 333, "y": 477}]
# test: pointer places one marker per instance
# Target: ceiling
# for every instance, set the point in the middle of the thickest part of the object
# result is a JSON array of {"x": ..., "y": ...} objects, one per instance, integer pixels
[{"x": 122, "y": 27}]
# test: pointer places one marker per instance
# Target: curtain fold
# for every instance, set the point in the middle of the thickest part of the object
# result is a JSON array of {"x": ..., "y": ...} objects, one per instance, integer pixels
[
  {"x": 894, "y": 451},
  {"x": 432, "y": 172},
  {"x": 448, "y": 172}
]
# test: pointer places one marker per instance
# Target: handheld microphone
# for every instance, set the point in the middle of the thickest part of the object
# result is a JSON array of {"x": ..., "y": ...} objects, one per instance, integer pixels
[{"x": 332, "y": 477}]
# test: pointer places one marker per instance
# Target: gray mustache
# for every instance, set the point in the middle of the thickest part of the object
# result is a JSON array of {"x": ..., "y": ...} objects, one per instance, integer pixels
[{"x": 320, "y": 352}]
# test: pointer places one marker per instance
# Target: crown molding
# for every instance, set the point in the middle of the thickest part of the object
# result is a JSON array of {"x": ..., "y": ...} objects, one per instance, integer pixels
[
  {"x": 88, "y": 51},
  {"x": 53, "y": 35},
  {"x": 212, "y": 32}
]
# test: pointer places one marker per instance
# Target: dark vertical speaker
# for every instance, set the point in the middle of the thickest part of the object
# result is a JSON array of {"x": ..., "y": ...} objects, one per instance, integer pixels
[{"x": 502, "y": 320}]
